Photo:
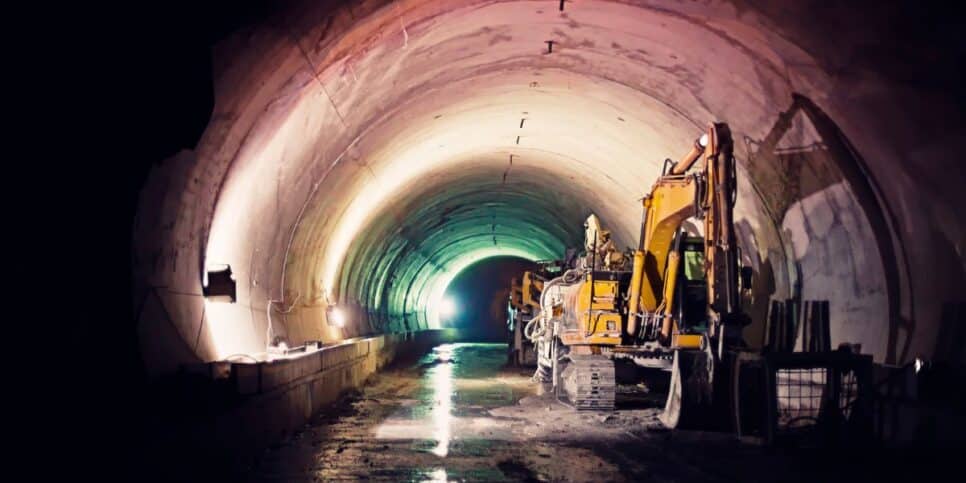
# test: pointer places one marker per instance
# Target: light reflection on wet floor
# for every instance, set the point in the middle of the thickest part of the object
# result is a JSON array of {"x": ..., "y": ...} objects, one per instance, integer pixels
[
  {"x": 460, "y": 415},
  {"x": 456, "y": 415},
  {"x": 460, "y": 382}
]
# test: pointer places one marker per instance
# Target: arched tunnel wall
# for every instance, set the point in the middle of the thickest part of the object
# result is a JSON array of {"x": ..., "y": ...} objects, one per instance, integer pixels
[{"x": 362, "y": 153}]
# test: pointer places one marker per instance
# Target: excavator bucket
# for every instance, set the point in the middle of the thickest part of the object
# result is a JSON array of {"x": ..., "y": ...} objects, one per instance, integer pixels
[{"x": 689, "y": 402}]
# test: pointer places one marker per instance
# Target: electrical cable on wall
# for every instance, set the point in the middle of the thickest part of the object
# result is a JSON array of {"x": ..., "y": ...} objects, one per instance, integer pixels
[{"x": 269, "y": 331}]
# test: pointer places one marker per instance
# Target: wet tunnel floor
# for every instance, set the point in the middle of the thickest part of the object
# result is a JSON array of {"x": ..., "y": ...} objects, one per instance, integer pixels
[{"x": 460, "y": 415}]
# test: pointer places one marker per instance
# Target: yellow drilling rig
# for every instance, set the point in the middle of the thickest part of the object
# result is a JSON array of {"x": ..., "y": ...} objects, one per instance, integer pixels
[
  {"x": 524, "y": 304},
  {"x": 671, "y": 304}
]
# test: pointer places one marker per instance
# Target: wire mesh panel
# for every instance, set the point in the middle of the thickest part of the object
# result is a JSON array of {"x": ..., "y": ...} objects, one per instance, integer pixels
[
  {"x": 803, "y": 395},
  {"x": 800, "y": 393}
]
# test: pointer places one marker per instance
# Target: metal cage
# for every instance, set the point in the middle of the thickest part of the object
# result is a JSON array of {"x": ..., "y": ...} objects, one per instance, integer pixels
[{"x": 823, "y": 396}]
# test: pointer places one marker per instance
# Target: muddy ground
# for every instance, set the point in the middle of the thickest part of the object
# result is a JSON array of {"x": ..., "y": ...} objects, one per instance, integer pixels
[{"x": 459, "y": 414}]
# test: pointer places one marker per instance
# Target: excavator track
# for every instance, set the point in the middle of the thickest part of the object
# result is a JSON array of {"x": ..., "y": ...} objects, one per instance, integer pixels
[{"x": 588, "y": 381}]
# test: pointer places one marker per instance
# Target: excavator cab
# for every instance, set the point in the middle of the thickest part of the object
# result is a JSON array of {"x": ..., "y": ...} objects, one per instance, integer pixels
[{"x": 691, "y": 302}]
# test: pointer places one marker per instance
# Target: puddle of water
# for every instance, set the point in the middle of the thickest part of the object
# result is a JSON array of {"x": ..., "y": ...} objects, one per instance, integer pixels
[
  {"x": 441, "y": 380},
  {"x": 458, "y": 387},
  {"x": 452, "y": 475},
  {"x": 472, "y": 447},
  {"x": 437, "y": 475}
]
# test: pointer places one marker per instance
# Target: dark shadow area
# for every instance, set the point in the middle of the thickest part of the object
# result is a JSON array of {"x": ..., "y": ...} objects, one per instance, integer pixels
[
  {"x": 819, "y": 157},
  {"x": 754, "y": 302},
  {"x": 147, "y": 94},
  {"x": 481, "y": 294},
  {"x": 951, "y": 343}
]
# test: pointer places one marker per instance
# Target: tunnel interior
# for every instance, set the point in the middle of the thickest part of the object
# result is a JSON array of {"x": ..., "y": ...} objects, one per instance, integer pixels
[
  {"x": 375, "y": 155},
  {"x": 363, "y": 155}
]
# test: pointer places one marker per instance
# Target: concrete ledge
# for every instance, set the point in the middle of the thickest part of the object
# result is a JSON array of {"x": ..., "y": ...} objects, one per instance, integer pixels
[{"x": 272, "y": 399}]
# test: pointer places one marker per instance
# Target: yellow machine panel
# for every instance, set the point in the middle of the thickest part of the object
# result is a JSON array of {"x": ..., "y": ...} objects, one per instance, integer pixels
[
  {"x": 531, "y": 288},
  {"x": 604, "y": 293},
  {"x": 687, "y": 341},
  {"x": 591, "y": 314},
  {"x": 516, "y": 294}
]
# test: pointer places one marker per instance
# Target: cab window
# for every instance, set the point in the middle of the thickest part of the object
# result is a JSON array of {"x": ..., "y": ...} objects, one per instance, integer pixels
[{"x": 694, "y": 265}]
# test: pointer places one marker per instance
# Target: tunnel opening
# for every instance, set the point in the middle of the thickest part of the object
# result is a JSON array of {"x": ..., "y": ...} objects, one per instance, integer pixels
[
  {"x": 379, "y": 159},
  {"x": 482, "y": 293}
]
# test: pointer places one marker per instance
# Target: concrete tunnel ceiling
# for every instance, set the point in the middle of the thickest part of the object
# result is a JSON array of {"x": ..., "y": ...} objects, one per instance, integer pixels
[{"x": 364, "y": 153}]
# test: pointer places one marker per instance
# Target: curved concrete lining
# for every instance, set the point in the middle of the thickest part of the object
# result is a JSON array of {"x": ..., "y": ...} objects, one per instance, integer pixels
[{"x": 363, "y": 154}]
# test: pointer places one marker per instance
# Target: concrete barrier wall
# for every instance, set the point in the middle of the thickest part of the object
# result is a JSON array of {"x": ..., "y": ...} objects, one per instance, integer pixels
[{"x": 273, "y": 399}]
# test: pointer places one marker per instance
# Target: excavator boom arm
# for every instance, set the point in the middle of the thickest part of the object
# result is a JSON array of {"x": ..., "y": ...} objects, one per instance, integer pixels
[{"x": 707, "y": 192}]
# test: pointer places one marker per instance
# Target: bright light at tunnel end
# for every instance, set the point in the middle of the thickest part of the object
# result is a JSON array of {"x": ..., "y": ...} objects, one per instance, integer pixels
[
  {"x": 447, "y": 308},
  {"x": 440, "y": 282}
]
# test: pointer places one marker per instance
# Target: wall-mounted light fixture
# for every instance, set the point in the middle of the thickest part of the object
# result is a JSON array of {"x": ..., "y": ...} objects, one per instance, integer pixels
[
  {"x": 335, "y": 316},
  {"x": 218, "y": 284}
]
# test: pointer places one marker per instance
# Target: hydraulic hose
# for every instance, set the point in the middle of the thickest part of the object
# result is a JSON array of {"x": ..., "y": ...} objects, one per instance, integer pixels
[{"x": 536, "y": 328}]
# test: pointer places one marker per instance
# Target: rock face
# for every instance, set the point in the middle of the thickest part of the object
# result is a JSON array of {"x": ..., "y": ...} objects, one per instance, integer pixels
[{"x": 363, "y": 154}]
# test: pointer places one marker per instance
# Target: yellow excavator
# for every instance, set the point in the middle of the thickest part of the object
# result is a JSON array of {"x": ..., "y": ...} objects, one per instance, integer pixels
[{"x": 671, "y": 304}]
